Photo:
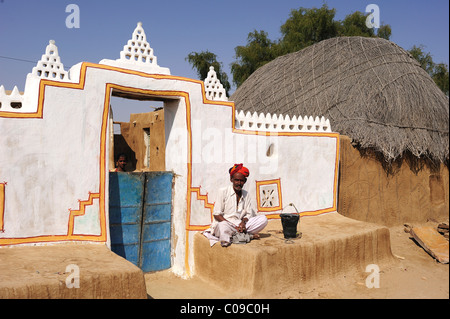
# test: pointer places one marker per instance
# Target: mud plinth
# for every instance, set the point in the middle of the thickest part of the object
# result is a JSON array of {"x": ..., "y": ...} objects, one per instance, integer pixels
[
  {"x": 62, "y": 271},
  {"x": 330, "y": 245}
]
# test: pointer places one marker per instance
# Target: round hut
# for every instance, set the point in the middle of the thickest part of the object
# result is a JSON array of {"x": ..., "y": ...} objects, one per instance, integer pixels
[{"x": 393, "y": 119}]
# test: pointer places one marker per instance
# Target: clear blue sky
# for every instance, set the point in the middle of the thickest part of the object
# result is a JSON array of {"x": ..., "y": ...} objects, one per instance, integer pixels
[{"x": 175, "y": 28}]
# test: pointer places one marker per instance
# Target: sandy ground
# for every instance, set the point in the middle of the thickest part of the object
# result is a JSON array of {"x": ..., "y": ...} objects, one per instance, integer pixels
[{"x": 414, "y": 275}]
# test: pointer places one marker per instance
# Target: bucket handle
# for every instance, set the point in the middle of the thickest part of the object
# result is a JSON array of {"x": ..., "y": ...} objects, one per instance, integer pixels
[{"x": 292, "y": 204}]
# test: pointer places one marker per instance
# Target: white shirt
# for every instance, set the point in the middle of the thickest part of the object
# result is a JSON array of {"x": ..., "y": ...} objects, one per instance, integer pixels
[{"x": 226, "y": 206}]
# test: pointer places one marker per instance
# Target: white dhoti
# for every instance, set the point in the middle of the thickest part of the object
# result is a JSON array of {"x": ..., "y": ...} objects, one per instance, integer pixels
[{"x": 223, "y": 231}]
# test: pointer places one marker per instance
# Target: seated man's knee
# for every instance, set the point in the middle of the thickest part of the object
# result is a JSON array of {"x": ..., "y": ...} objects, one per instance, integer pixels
[{"x": 263, "y": 220}]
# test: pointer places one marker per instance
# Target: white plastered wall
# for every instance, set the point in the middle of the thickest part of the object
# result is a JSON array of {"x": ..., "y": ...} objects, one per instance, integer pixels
[{"x": 56, "y": 165}]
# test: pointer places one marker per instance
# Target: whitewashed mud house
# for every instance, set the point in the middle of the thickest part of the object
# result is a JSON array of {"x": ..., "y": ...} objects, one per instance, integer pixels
[{"x": 55, "y": 146}]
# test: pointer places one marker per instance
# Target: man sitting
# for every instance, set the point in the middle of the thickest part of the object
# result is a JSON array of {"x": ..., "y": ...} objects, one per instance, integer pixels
[{"x": 233, "y": 211}]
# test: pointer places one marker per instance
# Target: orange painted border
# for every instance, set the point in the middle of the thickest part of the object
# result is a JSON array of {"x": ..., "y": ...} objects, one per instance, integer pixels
[
  {"x": 39, "y": 113},
  {"x": 258, "y": 199},
  {"x": 2, "y": 205},
  {"x": 81, "y": 211},
  {"x": 207, "y": 205}
]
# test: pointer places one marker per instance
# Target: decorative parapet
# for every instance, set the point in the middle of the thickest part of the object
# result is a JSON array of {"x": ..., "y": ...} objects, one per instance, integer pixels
[
  {"x": 50, "y": 65},
  {"x": 10, "y": 102},
  {"x": 138, "y": 49},
  {"x": 138, "y": 55},
  {"x": 213, "y": 88},
  {"x": 274, "y": 123}
]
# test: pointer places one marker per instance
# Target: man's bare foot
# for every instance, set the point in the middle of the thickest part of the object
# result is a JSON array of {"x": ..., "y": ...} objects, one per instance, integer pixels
[
  {"x": 225, "y": 244},
  {"x": 256, "y": 236}
]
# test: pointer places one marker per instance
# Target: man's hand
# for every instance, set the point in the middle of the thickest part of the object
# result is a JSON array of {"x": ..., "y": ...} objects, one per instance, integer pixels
[{"x": 242, "y": 228}]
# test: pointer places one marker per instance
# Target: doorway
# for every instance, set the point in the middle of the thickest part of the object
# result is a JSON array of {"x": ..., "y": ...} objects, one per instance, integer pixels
[{"x": 140, "y": 199}]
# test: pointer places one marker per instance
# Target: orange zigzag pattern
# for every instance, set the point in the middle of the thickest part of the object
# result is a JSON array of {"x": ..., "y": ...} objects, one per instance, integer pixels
[
  {"x": 80, "y": 211},
  {"x": 207, "y": 205}
]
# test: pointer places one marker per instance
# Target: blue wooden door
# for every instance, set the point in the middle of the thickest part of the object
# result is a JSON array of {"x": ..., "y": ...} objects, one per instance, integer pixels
[
  {"x": 140, "y": 209},
  {"x": 126, "y": 192},
  {"x": 156, "y": 229}
]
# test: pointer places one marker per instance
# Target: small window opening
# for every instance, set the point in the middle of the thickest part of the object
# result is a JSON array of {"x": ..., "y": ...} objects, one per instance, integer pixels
[
  {"x": 147, "y": 147},
  {"x": 16, "y": 105},
  {"x": 270, "y": 150}
]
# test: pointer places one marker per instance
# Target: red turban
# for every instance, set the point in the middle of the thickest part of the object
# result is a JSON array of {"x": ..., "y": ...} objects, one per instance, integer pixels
[{"x": 239, "y": 168}]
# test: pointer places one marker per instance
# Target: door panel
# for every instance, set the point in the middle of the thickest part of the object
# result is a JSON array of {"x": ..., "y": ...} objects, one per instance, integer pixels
[
  {"x": 140, "y": 209},
  {"x": 156, "y": 255},
  {"x": 125, "y": 214},
  {"x": 156, "y": 230}
]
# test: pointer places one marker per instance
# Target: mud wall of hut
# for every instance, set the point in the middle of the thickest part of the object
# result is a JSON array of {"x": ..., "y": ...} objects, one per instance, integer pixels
[
  {"x": 410, "y": 191},
  {"x": 143, "y": 141}
]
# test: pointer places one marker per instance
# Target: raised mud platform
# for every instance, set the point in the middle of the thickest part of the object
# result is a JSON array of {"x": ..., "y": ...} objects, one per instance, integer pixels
[
  {"x": 330, "y": 245},
  {"x": 40, "y": 272}
]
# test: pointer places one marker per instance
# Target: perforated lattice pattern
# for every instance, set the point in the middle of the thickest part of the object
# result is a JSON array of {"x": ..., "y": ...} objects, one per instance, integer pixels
[
  {"x": 138, "y": 49},
  {"x": 50, "y": 66}
]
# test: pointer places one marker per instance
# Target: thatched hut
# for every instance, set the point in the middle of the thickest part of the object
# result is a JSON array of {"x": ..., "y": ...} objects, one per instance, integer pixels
[{"x": 393, "y": 118}]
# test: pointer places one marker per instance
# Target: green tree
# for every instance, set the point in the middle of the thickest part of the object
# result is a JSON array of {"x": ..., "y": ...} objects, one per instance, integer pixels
[
  {"x": 201, "y": 63},
  {"x": 424, "y": 58},
  {"x": 305, "y": 27},
  {"x": 438, "y": 72},
  {"x": 258, "y": 51},
  {"x": 384, "y": 31},
  {"x": 355, "y": 25},
  {"x": 440, "y": 77}
]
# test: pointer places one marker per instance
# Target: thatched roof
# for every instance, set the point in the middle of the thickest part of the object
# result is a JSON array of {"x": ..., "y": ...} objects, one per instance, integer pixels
[{"x": 369, "y": 88}]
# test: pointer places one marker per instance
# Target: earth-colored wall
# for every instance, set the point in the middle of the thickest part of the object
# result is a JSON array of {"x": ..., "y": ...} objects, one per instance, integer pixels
[
  {"x": 132, "y": 141},
  {"x": 408, "y": 193}
]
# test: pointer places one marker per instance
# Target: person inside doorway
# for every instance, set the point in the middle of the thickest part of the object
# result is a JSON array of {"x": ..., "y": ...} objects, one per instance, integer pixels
[
  {"x": 233, "y": 211},
  {"x": 121, "y": 163}
]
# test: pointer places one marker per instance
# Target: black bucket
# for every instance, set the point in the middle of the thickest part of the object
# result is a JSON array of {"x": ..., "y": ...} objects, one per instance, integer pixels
[{"x": 289, "y": 223}]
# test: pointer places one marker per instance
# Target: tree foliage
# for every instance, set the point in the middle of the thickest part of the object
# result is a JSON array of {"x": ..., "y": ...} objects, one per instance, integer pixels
[
  {"x": 424, "y": 58},
  {"x": 303, "y": 28},
  {"x": 258, "y": 51},
  {"x": 438, "y": 72},
  {"x": 384, "y": 31},
  {"x": 440, "y": 77},
  {"x": 355, "y": 25}
]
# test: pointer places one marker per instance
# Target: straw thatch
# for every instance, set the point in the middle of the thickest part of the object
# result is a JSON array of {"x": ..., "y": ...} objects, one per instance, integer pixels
[{"x": 369, "y": 88}]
